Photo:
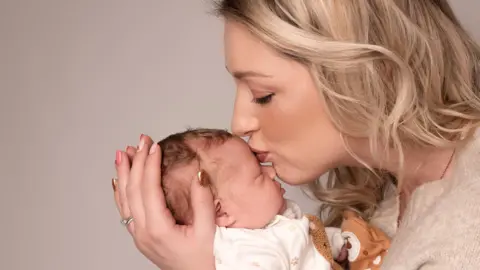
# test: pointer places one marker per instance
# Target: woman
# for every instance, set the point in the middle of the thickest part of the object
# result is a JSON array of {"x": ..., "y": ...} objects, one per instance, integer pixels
[{"x": 382, "y": 94}]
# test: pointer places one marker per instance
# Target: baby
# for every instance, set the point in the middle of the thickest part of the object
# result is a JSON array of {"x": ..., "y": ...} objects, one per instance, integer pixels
[{"x": 257, "y": 228}]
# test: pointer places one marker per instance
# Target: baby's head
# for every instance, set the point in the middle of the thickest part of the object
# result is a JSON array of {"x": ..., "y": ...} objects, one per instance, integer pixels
[{"x": 245, "y": 193}]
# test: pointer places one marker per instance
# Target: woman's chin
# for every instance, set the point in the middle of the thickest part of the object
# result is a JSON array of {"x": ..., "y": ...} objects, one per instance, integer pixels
[{"x": 292, "y": 177}]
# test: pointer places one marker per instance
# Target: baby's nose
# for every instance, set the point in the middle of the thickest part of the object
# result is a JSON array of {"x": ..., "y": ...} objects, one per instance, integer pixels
[{"x": 268, "y": 170}]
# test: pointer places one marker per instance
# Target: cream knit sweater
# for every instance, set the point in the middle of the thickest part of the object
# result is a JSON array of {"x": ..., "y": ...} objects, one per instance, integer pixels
[{"x": 440, "y": 228}]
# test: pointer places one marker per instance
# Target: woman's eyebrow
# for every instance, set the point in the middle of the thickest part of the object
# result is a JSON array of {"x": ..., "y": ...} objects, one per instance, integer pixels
[{"x": 247, "y": 73}]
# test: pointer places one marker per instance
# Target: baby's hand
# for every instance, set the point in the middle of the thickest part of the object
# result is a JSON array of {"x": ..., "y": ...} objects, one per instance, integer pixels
[
  {"x": 343, "y": 255},
  {"x": 336, "y": 240}
]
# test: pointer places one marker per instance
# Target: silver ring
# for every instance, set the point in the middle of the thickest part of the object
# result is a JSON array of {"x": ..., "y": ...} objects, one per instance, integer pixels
[{"x": 126, "y": 221}]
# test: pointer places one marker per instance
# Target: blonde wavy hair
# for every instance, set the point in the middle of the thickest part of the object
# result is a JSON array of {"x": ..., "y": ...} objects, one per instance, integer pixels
[{"x": 402, "y": 72}]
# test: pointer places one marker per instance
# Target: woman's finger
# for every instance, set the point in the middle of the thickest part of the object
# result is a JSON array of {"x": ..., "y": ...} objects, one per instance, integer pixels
[
  {"x": 156, "y": 212},
  {"x": 134, "y": 192},
  {"x": 203, "y": 210},
  {"x": 123, "y": 171},
  {"x": 130, "y": 152},
  {"x": 116, "y": 195}
]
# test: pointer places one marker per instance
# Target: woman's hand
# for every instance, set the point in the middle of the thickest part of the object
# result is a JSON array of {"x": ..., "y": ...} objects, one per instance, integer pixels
[{"x": 138, "y": 195}]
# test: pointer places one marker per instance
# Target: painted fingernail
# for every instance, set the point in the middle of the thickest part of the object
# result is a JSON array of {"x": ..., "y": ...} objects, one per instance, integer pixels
[
  {"x": 118, "y": 157},
  {"x": 153, "y": 148},
  {"x": 141, "y": 144},
  {"x": 114, "y": 183}
]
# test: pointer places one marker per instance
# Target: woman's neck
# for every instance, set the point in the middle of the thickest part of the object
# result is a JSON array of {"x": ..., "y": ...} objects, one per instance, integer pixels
[{"x": 421, "y": 165}]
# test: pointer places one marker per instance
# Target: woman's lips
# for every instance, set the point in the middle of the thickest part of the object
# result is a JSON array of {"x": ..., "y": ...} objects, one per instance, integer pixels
[{"x": 262, "y": 157}]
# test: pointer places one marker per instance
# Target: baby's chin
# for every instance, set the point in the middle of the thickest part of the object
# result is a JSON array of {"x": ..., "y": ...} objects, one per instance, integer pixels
[{"x": 283, "y": 208}]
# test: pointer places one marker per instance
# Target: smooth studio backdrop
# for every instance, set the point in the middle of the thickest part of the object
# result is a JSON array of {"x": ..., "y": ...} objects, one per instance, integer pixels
[{"x": 80, "y": 79}]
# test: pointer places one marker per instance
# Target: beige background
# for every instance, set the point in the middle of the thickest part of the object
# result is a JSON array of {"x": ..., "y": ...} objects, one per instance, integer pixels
[{"x": 80, "y": 79}]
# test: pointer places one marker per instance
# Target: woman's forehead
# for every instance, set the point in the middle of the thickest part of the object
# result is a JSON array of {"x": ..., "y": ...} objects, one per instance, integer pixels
[{"x": 245, "y": 53}]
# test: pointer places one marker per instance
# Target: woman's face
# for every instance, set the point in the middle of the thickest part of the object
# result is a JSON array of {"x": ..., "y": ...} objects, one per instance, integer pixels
[{"x": 278, "y": 106}]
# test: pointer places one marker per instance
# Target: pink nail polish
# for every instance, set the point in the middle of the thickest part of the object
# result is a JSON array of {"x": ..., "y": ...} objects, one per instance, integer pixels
[
  {"x": 141, "y": 144},
  {"x": 153, "y": 148},
  {"x": 118, "y": 157}
]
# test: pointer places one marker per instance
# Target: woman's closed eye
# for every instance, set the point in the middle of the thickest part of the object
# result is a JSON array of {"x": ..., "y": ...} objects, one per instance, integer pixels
[{"x": 263, "y": 100}]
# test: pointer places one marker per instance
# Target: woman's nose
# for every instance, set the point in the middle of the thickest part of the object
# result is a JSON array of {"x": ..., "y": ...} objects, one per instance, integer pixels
[
  {"x": 244, "y": 122},
  {"x": 241, "y": 126}
]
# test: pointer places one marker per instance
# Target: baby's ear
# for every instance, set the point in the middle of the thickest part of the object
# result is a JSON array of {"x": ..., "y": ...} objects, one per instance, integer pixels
[{"x": 223, "y": 219}]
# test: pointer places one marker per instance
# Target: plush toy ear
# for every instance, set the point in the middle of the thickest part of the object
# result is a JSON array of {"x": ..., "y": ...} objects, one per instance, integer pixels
[{"x": 353, "y": 245}]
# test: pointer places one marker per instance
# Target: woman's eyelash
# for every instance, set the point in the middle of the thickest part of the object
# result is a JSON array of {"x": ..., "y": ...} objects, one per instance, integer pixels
[{"x": 263, "y": 100}]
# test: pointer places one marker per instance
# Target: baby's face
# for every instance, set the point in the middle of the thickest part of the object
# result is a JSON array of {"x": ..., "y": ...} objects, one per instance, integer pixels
[{"x": 248, "y": 195}]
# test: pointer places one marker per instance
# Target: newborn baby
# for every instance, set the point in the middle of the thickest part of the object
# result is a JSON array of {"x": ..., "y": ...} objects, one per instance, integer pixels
[{"x": 256, "y": 227}]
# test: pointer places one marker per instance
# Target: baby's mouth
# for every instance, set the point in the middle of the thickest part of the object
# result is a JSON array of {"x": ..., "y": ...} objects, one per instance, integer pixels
[{"x": 279, "y": 186}]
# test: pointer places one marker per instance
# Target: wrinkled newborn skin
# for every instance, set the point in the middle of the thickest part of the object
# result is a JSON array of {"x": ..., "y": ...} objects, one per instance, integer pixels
[{"x": 246, "y": 194}]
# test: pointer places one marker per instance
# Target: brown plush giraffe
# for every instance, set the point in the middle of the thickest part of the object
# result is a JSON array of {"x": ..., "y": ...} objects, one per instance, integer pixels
[{"x": 320, "y": 240}]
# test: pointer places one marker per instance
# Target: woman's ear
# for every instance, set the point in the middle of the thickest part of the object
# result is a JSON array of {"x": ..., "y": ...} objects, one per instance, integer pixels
[{"x": 223, "y": 218}]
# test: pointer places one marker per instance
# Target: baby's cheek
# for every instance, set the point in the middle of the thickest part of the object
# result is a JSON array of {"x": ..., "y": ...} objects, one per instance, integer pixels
[
  {"x": 257, "y": 203},
  {"x": 248, "y": 211},
  {"x": 266, "y": 209}
]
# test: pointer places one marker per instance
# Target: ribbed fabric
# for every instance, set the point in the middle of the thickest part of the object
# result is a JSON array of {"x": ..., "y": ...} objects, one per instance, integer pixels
[{"x": 441, "y": 225}]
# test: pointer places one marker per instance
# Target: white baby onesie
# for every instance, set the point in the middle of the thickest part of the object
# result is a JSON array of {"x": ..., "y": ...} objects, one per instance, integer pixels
[{"x": 283, "y": 244}]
